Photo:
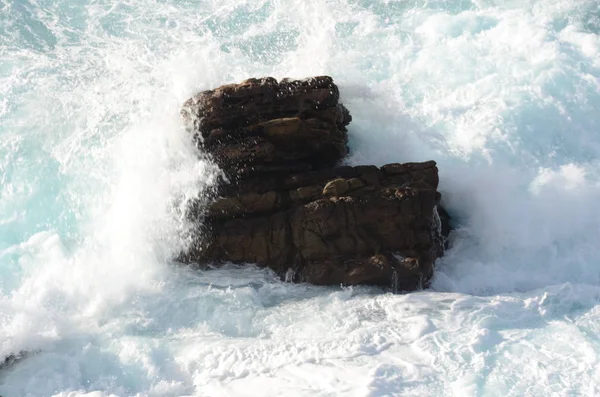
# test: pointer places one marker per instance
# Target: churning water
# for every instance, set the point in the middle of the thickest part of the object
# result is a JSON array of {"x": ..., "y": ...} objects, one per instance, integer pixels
[{"x": 95, "y": 170}]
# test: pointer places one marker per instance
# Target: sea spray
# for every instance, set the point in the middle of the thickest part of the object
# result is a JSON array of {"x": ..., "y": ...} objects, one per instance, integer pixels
[{"x": 95, "y": 161}]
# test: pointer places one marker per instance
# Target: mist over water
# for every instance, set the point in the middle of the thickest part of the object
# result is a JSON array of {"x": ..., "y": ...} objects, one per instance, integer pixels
[{"x": 96, "y": 170}]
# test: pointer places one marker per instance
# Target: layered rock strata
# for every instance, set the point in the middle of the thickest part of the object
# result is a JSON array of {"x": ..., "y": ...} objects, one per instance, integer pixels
[{"x": 287, "y": 204}]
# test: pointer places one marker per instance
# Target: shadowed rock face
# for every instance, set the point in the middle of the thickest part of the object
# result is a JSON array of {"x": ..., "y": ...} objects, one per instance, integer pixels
[{"x": 287, "y": 206}]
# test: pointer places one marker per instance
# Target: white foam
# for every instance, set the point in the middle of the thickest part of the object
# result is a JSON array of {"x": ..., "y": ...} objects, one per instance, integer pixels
[{"x": 96, "y": 171}]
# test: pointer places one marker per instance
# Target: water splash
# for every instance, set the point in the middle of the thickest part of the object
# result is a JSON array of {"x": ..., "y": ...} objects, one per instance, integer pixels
[{"x": 96, "y": 167}]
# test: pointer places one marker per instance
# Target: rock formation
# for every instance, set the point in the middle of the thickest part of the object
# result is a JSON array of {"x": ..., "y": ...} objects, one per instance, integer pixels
[{"x": 287, "y": 204}]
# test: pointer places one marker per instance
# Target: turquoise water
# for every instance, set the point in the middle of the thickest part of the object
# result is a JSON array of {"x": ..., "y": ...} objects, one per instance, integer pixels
[{"x": 96, "y": 171}]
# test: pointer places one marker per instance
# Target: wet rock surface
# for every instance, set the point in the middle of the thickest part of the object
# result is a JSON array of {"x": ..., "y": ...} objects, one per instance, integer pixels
[{"x": 287, "y": 204}]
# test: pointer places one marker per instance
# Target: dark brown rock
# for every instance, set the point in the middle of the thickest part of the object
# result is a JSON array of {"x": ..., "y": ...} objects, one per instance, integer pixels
[
  {"x": 263, "y": 127},
  {"x": 287, "y": 205}
]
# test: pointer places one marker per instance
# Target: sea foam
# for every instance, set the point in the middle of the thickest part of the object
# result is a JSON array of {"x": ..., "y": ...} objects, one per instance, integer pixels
[{"x": 97, "y": 170}]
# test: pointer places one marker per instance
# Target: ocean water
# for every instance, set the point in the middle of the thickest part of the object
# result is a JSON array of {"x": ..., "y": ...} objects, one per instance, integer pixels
[{"x": 96, "y": 171}]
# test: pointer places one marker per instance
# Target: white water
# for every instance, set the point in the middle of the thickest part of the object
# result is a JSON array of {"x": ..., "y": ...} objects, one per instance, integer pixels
[{"x": 95, "y": 170}]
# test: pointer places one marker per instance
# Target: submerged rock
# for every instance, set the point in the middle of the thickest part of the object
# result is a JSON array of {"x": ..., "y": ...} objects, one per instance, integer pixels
[
  {"x": 12, "y": 359},
  {"x": 286, "y": 204}
]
